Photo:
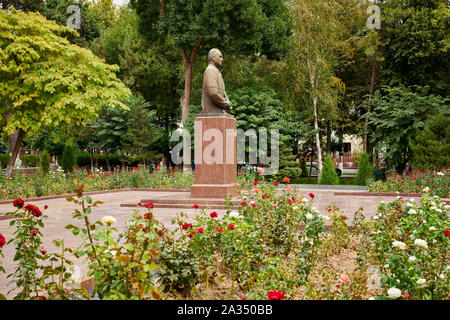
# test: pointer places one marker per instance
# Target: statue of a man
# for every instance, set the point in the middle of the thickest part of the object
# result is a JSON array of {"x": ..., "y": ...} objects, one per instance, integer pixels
[{"x": 214, "y": 98}]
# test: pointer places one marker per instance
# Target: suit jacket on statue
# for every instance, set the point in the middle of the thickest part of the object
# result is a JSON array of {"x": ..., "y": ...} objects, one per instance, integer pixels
[{"x": 214, "y": 97}]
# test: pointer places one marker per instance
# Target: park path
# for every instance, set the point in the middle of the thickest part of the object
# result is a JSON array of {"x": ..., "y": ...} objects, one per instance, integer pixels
[{"x": 59, "y": 214}]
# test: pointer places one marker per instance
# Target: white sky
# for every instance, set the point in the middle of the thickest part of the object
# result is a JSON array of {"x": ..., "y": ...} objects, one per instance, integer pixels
[{"x": 120, "y": 2}]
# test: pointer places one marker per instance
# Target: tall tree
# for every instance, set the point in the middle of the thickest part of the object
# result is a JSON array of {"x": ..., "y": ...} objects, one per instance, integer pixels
[
  {"x": 235, "y": 26},
  {"x": 318, "y": 34},
  {"x": 46, "y": 80}
]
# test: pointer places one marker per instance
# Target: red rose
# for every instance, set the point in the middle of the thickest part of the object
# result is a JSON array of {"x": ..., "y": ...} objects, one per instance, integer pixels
[
  {"x": 186, "y": 226},
  {"x": 275, "y": 295},
  {"x": 193, "y": 233},
  {"x": 230, "y": 227},
  {"x": 447, "y": 233},
  {"x": 275, "y": 183},
  {"x": 150, "y": 204},
  {"x": 196, "y": 206},
  {"x": 265, "y": 196},
  {"x": 218, "y": 229},
  {"x": 200, "y": 230},
  {"x": 139, "y": 204},
  {"x": 286, "y": 180},
  {"x": 18, "y": 203},
  {"x": 42, "y": 298},
  {"x": 213, "y": 214},
  {"x": 255, "y": 182},
  {"x": 33, "y": 233},
  {"x": 2, "y": 241},
  {"x": 243, "y": 204},
  {"x": 311, "y": 195},
  {"x": 43, "y": 251},
  {"x": 45, "y": 207}
]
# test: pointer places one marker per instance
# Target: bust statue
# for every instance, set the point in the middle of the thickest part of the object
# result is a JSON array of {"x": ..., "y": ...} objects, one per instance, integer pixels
[{"x": 215, "y": 101}]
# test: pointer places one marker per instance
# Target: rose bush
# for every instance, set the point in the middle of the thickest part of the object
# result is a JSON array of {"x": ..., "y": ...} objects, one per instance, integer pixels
[{"x": 54, "y": 183}]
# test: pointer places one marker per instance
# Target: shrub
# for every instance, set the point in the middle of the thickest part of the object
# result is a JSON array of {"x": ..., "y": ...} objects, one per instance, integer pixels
[
  {"x": 68, "y": 159},
  {"x": 288, "y": 166},
  {"x": 30, "y": 160},
  {"x": 45, "y": 161},
  {"x": 4, "y": 160},
  {"x": 364, "y": 170},
  {"x": 329, "y": 175},
  {"x": 431, "y": 146}
]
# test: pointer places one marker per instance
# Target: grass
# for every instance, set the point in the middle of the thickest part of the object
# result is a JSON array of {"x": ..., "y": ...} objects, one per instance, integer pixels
[{"x": 343, "y": 181}]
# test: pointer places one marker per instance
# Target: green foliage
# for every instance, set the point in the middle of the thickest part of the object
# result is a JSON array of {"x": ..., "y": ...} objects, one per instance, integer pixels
[
  {"x": 397, "y": 114},
  {"x": 45, "y": 161},
  {"x": 30, "y": 160},
  {"x": 68, "y": 160},
  {"x": 430, "y": 148},
  {"x": 415, "y": 36},
  {"x": 329, "y": 175},
  {"x": 4, "y": 160},
  {"x": 364, "y": 174},
  {"x": 288, "y": 166},
  {"x": 408, "y": 245}
]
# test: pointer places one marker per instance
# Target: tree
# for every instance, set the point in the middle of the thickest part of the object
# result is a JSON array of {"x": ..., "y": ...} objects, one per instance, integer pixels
[
  {"x": 415, "y": 44},
  {"x": 68, "y": 160},
  {"x": 364, "y": 169},
  {"x": 397, "y": 114},
  {"x": 46, "y": 80},
  {"x": 312, "y": 60},
  {"x": 304, "y": 167},
  {"x": 288, "y": 167},
  {"x": 329, "y": 175},
  {"x": 430, "y": 148},
  {"x": 237, "y": 26}
]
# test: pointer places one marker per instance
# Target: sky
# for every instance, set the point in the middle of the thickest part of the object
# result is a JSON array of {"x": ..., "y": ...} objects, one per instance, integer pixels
[{"x": 120, "y": 2}]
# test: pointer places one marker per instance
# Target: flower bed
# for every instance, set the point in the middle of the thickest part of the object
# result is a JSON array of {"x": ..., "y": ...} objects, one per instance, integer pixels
[
  {"x": 437, "y": 182},
  {"x": 55, "y": 183},
  {"x": 273, "y": 247}
]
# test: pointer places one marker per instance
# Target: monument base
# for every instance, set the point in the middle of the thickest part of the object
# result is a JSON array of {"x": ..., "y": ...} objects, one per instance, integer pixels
[{"x": 214, "y": 190}]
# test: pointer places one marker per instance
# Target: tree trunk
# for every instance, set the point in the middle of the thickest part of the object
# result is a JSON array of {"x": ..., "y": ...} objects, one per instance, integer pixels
[
  {"x": 14, "y": 152},
  {"x": 328, "y": 137},
  {"x": 91, "y": 157},
  {"x": 186, "y": 99},
  {"x": 371, "y": 91},
  {"x": 107, "y": 161},
  {"x": 319, "y": 150}
]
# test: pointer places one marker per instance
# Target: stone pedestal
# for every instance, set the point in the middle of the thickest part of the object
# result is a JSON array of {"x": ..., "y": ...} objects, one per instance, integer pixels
[{"x": 215, "y": 158}]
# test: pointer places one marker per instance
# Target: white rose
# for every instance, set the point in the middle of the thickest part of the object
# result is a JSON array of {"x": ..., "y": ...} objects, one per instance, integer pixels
[
  {"x": 304, "y": 200},
  {"x": 394, "y": 293},
  {"x": 433, "y": 208},
  {"x": 412, "y": 211},
  {"x": 399, "y": 244},
  {"x": 109, "y": 220},
  {"x": 439, "y": 210},
  {"x": 440, "y": 173},
  {"x": 426, "y": 190},
  {"x": 442, "y": 276},
  {"x": 421, "y": 281},
  {"x": 326, "y": 218},
  {"x": 295, "y": 208},
  {"x": 309, "y": 216},
  {"x": 412, "y": 258},
  {"x": 382, "y": 201},
  {"x": 375, "y": 217},
  {"x": 234, "y": 214},
  {"x": 421, "y": 243},
  {"x": 409, "y": 204},
  {"x": 432, "y": 228}
]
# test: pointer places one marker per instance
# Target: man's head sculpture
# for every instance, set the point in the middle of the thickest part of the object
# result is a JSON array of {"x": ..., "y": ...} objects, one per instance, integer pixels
[{"x": 215, "y": 57}]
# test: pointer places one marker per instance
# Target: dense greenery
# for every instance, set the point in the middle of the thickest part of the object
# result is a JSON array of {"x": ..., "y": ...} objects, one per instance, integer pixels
[
  {"x": 364, "y": 169},
  {"x": 329, "y": 175},
  {"x": 313, "y": 79}
]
